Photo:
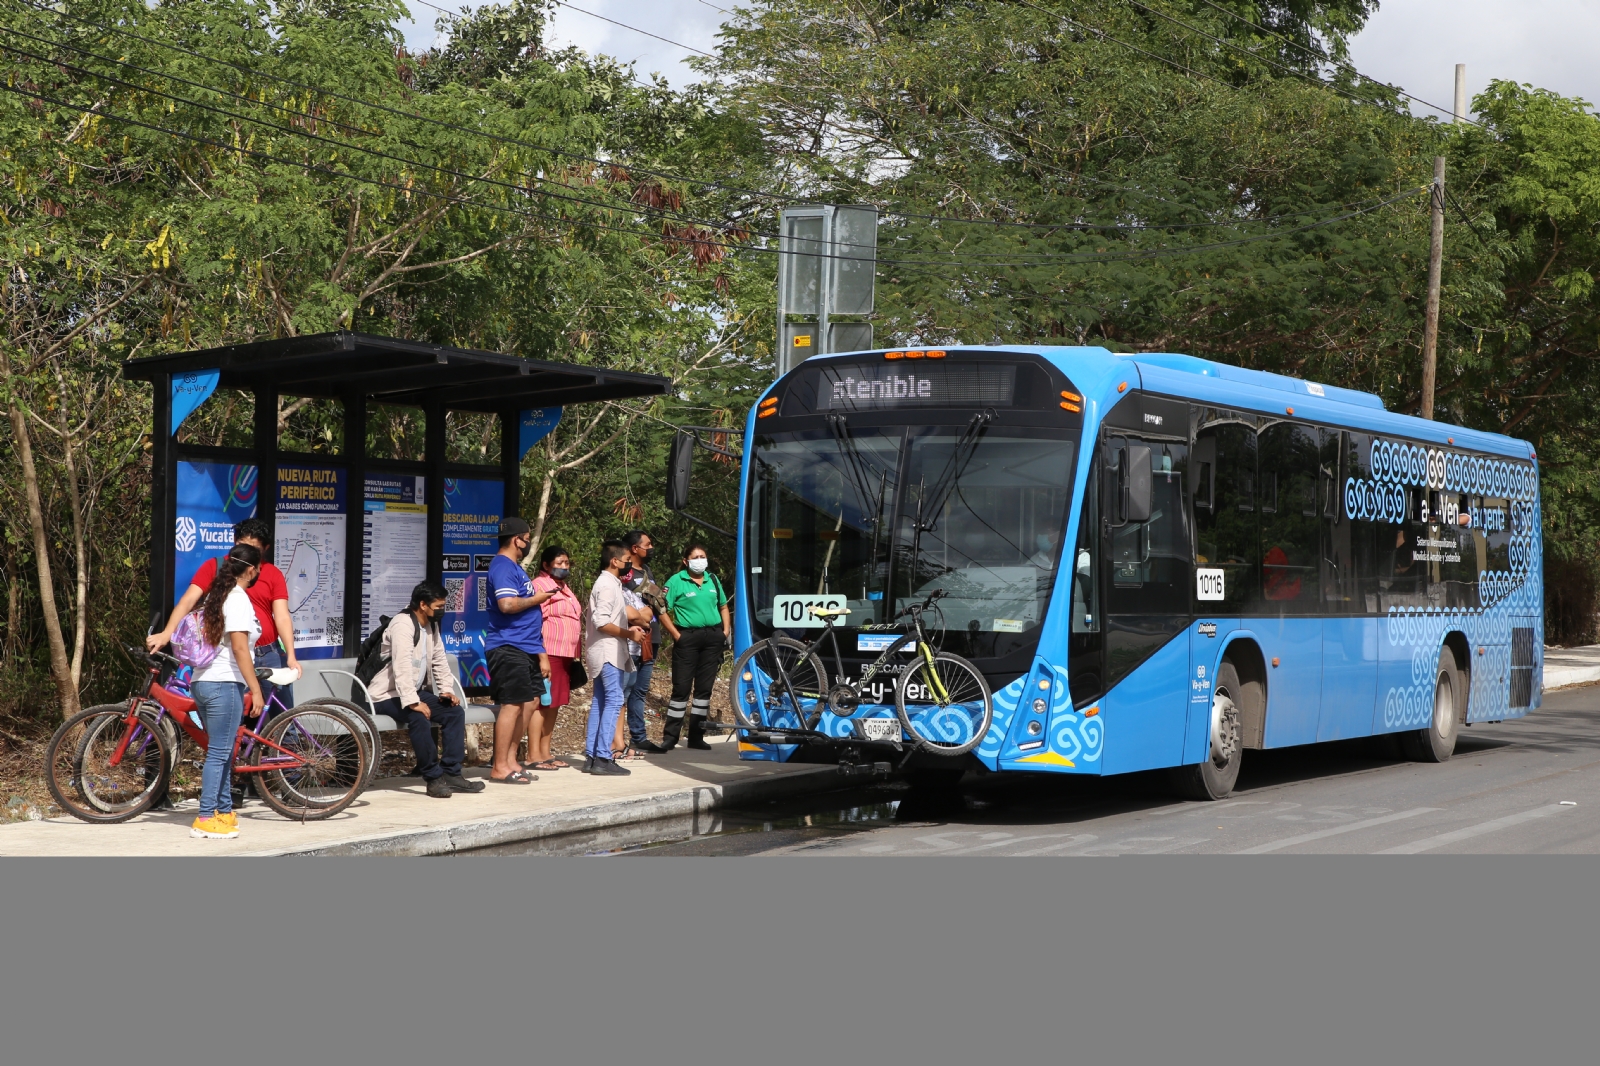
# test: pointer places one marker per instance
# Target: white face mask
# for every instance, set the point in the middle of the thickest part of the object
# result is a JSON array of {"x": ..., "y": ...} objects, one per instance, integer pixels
[{"x": 697, "y": 566}]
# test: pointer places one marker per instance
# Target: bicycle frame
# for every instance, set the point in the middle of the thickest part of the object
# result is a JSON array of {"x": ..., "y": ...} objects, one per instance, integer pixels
[{"x": 167, "y": 701}]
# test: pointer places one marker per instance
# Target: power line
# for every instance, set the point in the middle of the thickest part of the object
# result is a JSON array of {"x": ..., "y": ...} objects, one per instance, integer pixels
[
  {"x": 1341, "y": 65},
  {"x": 665, "y": 175},
  {"x": 448, "y": 199},
  {"x": 635, "y": 29}
]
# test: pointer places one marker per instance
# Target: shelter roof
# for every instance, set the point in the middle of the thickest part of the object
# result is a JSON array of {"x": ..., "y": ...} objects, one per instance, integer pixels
[{"x": 402, "y": 372}]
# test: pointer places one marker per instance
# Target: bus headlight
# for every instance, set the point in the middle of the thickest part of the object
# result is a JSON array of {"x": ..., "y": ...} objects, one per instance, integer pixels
[{"x": 1038, "y": 706}]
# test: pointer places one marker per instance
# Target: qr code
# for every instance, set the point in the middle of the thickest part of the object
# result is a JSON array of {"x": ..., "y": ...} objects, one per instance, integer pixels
[
  {"x": 455, "y": 593},
  {"x": 335, "y": 629},
  {"x": 483, "y": 593}
]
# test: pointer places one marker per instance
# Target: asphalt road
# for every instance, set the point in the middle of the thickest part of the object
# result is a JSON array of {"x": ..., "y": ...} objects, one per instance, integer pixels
[{"x": 1526, "y": 786}]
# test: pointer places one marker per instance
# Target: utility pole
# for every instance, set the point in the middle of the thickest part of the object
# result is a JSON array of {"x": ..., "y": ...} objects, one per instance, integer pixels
[{"x": 1430, "y": 327}]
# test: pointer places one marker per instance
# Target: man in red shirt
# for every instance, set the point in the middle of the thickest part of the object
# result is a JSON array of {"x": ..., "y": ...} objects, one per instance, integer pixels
[{"x": 269, "y": 596}]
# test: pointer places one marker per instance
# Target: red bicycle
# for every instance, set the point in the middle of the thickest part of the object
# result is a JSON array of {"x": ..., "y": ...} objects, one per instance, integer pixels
[{"x": 114, "y": 762}]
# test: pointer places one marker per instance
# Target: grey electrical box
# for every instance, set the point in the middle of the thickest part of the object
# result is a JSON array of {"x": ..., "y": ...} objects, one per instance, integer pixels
[{"x": 827, "y": 263}]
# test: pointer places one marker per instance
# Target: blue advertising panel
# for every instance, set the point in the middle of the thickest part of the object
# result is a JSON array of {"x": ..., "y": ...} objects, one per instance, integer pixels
[
  {"x": 212, "y": 498},
  {"x": 309, "y": 548},
  {"x": 471, "y": 538}
]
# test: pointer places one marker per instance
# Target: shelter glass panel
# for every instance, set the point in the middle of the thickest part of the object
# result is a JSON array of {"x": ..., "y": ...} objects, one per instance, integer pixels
[
  {"x": 225, "y": 420},
  {"x": 310, "y": 424},
  {"x": 472, "y": 437},
  {"x": 395, "y": 432}
]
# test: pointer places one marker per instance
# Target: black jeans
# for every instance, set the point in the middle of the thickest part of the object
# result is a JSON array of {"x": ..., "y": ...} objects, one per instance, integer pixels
[
  {"x": 696, "y": 657},
  {"x": 451, "y": 718}
]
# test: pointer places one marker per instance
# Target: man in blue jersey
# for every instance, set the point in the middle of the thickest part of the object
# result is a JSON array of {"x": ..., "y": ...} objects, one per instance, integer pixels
[{"x": 514, "y": 648}]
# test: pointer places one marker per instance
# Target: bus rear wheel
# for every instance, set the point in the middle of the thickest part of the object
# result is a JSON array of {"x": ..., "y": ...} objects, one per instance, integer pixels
[
  {"x": 1437, "y": 741},
  {"x": 1214, "y": 778}
]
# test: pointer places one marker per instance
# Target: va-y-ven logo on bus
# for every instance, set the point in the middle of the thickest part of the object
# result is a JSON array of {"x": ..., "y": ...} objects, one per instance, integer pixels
[{"x": 1208, "y": 584}]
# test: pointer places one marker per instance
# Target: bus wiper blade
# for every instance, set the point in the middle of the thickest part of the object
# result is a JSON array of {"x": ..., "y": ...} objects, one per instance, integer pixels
[
  {"x": 966, "y": 447},
  {"x": 855, "y": 466}
]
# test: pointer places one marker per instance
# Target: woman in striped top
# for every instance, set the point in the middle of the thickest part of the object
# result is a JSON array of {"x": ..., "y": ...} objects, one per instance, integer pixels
[{"x": 563, "y": 626}]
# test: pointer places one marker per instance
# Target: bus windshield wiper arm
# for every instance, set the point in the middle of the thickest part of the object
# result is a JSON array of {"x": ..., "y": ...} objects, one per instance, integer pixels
[
  {"x": 966, "y": 447},
  {"x": 855, "y": 467}
]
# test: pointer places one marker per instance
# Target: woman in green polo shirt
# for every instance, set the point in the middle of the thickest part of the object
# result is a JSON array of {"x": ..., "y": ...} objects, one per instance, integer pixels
[{"x": 701, "y": 629}]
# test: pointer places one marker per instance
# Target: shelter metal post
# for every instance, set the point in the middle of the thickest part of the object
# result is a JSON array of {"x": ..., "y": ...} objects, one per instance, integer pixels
[
  {"x": 265, "y": 444},
  {"x": 433, "y": 456},
  {"x": 511, "y": 461},
  {"x": 163, "y": 474},
  {"x": 355, "y": 457}
]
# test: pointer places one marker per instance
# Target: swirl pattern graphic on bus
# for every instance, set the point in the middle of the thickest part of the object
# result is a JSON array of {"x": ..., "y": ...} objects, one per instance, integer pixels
[
  {"x": 1070, "y": 735},
  {"x": 1509, "y": 599}
]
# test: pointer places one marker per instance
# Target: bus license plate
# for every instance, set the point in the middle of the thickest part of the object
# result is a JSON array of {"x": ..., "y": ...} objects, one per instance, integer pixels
[{"x": 880, "y": 729}]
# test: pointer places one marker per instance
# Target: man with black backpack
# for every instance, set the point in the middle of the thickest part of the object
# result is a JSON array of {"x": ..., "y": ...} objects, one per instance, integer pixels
[{"x": 413, "y": 687}]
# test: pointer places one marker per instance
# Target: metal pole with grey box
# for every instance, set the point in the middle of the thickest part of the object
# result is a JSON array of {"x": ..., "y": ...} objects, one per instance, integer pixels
[{"x": 826, "y": 269}]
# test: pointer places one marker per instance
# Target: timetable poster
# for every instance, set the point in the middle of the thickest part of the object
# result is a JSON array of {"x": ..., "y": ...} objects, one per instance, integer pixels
[
  {"x": 471, "y": 539},
  {"x": 309, "y": 524},
  {"x": 212, "y": 499},
  {"x": 394, "y": 545}
]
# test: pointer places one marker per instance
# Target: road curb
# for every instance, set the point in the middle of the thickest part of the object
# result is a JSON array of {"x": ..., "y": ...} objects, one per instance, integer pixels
[
  {"x": 1567, "y": 677},
  {"x": 537, "y": 825}
]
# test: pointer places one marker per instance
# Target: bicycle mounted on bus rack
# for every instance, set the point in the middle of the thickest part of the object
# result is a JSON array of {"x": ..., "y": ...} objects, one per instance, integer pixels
[{"x": 943, "y": 705}]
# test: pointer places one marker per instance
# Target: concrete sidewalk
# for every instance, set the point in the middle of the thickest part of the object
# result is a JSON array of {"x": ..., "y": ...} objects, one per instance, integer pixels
[
  {"x": 1571, "y": 666},
  {"x": 394, "y": 817}
]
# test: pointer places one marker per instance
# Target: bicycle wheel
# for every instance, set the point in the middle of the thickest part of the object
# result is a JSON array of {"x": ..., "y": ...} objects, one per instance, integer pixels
[
  {"x": 364, "y": 725},
  {"x": 944, "y": 705},
  {"x": 315, "y": 763},
  {"x": 79, "y": 764},
  {"x": 760, "y": 701},
  {"x": 169, "y": 727}
]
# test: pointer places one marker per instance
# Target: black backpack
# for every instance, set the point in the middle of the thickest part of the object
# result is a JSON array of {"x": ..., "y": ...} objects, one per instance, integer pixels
[{"x": 370, "y": 661}]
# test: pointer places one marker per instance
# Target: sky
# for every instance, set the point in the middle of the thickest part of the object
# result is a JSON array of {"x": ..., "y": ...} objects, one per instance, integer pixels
[{"x": 1414, "y": 44}]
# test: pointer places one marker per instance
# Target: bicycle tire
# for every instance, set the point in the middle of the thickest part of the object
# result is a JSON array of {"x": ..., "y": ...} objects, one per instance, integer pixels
[
  {"x": 81, "y": 779},
  {"x": 364, "y": 722},
  {"x": 948, "y": 731},
  {"x": 169, "y": 727},
  {"x": 755, "y": 676},
  {"x": 329, "y": 775}
]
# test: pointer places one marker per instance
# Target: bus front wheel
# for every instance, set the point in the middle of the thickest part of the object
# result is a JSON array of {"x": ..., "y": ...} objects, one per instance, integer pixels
[{"x": 1214, "y": 778}]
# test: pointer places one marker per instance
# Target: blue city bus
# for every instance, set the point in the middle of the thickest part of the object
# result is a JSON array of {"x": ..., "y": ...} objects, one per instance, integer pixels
[{"x": 1156, "y": 561}]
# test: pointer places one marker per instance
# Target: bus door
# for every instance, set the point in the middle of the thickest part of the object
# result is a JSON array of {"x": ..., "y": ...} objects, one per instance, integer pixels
[
  {"x": 1350, "y": 628},
  {"x": 1289, "y": 608},
  {"x": 1147, "y": 575}
]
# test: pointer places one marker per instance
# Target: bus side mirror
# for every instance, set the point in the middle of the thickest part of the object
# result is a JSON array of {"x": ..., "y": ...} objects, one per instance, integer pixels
[
  {"x": 1138, "y": 484},
  {"x": 680, "y": 461}
]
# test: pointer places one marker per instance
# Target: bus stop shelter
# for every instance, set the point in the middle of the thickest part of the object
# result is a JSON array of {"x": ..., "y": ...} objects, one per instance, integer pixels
[{"x": 356, "y": 526}]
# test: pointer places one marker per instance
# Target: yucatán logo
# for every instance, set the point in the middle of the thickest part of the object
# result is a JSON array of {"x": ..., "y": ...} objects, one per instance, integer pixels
[{"x": 186, "y": 534}]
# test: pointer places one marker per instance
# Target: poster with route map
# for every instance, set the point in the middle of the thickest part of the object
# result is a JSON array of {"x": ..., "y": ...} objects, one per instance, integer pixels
[{"x": 310, "y": 529}]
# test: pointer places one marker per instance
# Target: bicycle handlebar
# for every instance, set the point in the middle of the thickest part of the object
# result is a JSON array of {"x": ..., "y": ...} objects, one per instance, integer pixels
[{"x": 936, "y": 594}]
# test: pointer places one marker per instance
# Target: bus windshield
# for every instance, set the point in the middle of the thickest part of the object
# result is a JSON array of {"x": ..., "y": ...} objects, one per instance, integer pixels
[{"x": 881, "y": 515}]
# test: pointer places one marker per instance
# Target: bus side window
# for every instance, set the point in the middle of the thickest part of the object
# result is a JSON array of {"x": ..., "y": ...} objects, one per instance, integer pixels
[
  {"x": 1290, "y": 532},
  {"x": 1365, "y": 550},
  {"x": 1225, "y": 531}
]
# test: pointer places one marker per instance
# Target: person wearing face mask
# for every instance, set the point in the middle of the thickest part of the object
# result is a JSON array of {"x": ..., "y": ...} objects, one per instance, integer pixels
[
  {"x": 606, "y": 636},
  {"x": 697, "y": 619},
  {"x": 563, "y": 631},
  {"x": 641, "y": 549},
  {"x": 1045, "y": 557},
  {"x": 414, "y": 689},
  {"x": 631, "y": 740},
  {"x": 514, "y": 648}
]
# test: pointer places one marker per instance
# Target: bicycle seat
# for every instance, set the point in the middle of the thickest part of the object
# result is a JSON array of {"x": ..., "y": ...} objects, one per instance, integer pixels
[{"x": 829, "y": 612}]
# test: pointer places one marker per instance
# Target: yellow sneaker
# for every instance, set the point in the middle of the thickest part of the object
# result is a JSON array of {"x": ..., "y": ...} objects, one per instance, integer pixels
[
  {"x": 214, "y": 828},
  {"x": 231, "y": 818}
]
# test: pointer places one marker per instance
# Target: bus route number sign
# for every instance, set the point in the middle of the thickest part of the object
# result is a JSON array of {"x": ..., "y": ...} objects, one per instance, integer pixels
[
  {"x": 794, "y": 612},
  {"x": 1208, "y": 584}
]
